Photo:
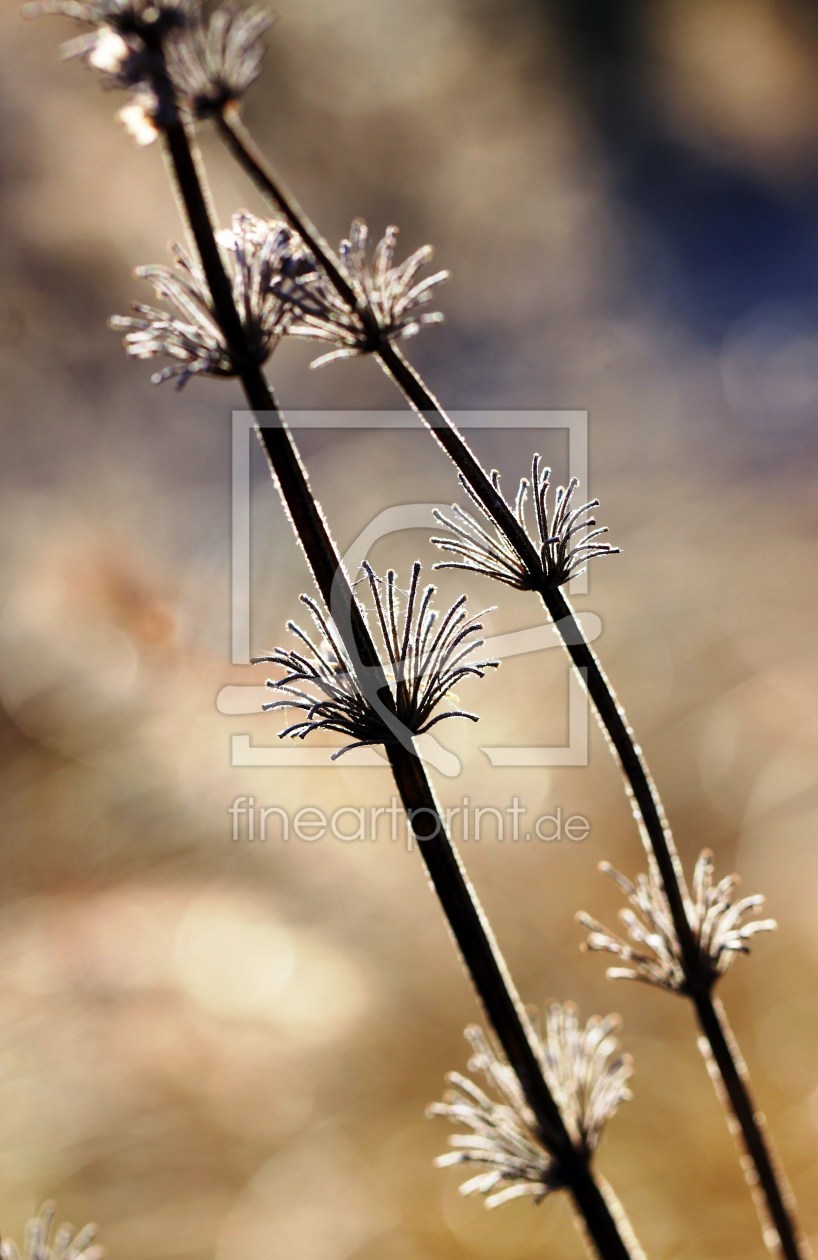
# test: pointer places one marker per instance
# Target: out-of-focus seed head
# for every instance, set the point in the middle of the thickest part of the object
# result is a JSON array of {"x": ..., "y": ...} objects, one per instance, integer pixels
[
  {"x": 393, "y": 303},
  {"x": 254, "y": 252},
  {"x": 43, "y": 1242},
  {"x": 149, "y": 20},
  {"x": 650, "y": 947},
  {"x": 125, "y": 44},
  {"x": 588, "y": 1079},
  {"x": 213, "y": 61}
]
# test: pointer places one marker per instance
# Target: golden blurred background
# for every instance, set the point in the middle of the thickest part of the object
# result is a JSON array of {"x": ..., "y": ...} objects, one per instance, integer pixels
[{"x": 225, "y": 1049}]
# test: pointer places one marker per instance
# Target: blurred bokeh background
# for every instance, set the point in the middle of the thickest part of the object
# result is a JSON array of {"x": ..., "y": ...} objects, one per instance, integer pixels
[{"x": 225, "y": 1049}]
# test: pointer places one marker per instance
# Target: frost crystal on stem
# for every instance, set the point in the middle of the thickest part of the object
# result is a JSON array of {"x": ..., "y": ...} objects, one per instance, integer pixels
[
  {"x": 428, "y": 655},
  {"x": 650, "y": 947},
  {"x": 588, "y": 1078},
  {"x": 567, "y": 537},
  {"x": 42, "y": 1243},
  {"x": 255, "y": 253},
  {"x": 392, "y": 301}
]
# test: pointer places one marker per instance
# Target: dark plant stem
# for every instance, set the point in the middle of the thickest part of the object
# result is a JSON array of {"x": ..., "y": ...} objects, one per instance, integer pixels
[
  {"x": 606, "y": 1229},
  {"x": 647, "y": 806},
  {"x": 645, "y": 801},
  {"x": 465, "y": 917},
  {"x": 474, "y": 937},
  {"x": 770, "y": 1190},
  {"x": 241, "y": 145},
  {"x": 307, "y": 519},
  {"x": 648, "y": 812},
  {"x": 774, "y": 1200}
]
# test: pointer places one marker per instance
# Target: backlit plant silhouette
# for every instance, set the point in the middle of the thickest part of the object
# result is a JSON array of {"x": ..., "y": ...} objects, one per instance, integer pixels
[{"x": 229, "y": 305}]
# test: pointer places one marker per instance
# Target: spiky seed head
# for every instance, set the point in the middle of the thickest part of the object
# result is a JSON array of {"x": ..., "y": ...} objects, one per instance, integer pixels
[
  {"x": 588, "y": 1078},
  {"x": 427, "y": 655},
  {"x": 649, "y": 947},
  {"x": 567, "y": 535},
  {"x": 209, "y": 60},
  {"x": 254, "y": 254},
  {"x": 43, "y": 1242},
  {"x": 125, "y": 37},
  {"x": 146, "y": 19},
  {"x": 214, "y": 60},
  {"x": 393, "y": 302}
]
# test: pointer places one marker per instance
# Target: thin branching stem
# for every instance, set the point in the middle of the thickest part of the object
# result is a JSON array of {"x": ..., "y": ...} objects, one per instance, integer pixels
[
  {"x": 601, "y": 1221},
  {"x": 785, "y": 1237}
]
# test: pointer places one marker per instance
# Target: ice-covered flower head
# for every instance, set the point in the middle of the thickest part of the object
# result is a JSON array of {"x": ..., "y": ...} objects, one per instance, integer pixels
[
  {"x": 567, "y": 535},
  {"x": 588, "y": 1078},
  {"x": 392, "y": 302},
  {"x": 427, "y": 655},
  {"x": 43, "y": 1242},
  {"x": 649, "y": 947},
  {"x": 174, "y": 55},
  {"x": 216, "y": 58},
  {"x": 255, "y": 254}
]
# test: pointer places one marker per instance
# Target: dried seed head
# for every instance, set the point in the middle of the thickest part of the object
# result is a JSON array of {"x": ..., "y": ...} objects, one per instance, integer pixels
[
  {"x": 254, "y": 252},
  {"x": 566, "y": 538},
  {"x": 394, "y": 300},
  {"x": 428, "y": 656},
  {"x": 588, "y": 1079},
  {"x": 213, "y": 61},
  {"x": 210, "y": 61},
  {"x": 126, "y": 36},
  {"x": 42, "y": 1243},
  {"x": 652, "y": 951}
]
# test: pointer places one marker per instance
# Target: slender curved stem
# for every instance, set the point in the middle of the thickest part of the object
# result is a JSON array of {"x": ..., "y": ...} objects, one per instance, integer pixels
[
  {"x": 240, "y": 143},
  {"x": 777, "y": 1212},
  {"x": 464, "y": 914},
  {"x": 602, "y": 1221},
  {"x": 786, "y": 1239}
]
